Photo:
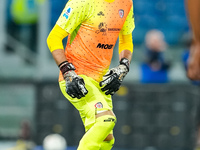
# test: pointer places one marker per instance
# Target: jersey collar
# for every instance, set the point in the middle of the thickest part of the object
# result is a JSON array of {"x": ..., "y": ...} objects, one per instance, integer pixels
[{"x": 109, "y": 1}]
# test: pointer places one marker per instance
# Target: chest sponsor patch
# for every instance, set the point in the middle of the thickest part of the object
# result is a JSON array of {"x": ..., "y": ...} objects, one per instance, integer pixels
[
  {"x": 67, "y": 13},
  {"x": 105, "y": 46}
]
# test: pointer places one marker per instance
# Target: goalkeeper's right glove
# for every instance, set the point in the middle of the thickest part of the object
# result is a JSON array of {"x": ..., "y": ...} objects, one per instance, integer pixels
[{"x": 75, "y": 85}]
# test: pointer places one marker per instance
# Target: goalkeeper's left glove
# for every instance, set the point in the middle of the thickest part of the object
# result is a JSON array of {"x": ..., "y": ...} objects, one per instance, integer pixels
[{"x": 113, "y": 78}]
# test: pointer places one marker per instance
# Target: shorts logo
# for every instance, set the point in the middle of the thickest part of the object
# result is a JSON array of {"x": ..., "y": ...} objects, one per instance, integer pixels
[
  {"x": 121, "y": 13},
  {"x": 98, "y": 105},
  {"x": 67, "y": 13}
]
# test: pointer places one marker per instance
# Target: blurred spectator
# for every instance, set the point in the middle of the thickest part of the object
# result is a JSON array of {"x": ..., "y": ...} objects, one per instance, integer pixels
[
  {"x": 24, "y": 12},
  {"x": 155, "y": 68},
  {"x": 22, "y": 23},
  {"x": 24, "y": 141},
  {"x": 25, "y": 132},
  {"x": 54, "y": 142},
  {"x": 22, "y": 19}
]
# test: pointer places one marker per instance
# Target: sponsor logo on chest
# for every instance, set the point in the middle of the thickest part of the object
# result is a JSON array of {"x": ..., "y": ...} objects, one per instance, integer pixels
[{"x": 105, "y": 46}]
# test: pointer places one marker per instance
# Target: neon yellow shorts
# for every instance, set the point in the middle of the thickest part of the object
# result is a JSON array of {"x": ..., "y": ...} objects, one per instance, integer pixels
[{"x": 94, "y": 101}]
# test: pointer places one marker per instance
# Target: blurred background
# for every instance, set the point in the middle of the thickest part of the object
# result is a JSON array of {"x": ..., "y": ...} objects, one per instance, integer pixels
[{"x": 156, "y": 106}]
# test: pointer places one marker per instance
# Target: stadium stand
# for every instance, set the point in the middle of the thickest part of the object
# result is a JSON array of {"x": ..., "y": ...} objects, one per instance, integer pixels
[{"x": 166, "y": 15}]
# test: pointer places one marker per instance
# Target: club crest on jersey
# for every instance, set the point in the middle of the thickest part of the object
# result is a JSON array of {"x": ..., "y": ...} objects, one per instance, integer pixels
[
  {"x": 67, "y": 13},
  {"x": 98, "y": 105},
  {"x": 121, "y": 13}
]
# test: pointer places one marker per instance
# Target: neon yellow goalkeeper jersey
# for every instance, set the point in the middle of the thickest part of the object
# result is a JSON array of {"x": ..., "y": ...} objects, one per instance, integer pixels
[{"x": 94, "y": 26}]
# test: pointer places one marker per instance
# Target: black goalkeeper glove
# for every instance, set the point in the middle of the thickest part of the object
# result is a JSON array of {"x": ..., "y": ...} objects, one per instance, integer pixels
[
  {"x": 113, "y": 78},
  {"x": 75, "y": 85}
]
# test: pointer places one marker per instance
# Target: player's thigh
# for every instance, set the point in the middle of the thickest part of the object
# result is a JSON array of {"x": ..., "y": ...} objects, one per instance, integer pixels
[{"x": 93, "y": 103}]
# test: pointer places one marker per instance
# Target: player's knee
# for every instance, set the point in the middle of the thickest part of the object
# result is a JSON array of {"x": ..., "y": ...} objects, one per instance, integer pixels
[
  {"x": 107, "y": 145},
  {"x": 109, "y": 137},
  {"x": 105, "y": 112},
  {"x": 112, "y": 141}
]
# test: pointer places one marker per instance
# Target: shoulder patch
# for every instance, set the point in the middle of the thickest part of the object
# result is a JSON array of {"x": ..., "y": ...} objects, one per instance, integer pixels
[{"x": 67, "y": 13}]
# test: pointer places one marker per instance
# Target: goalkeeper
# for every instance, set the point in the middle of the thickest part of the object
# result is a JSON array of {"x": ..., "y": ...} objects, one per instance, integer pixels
[{"x": 92, "y": 27}]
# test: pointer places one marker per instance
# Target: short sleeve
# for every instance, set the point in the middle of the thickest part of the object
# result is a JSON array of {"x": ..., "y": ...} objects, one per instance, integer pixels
[
  {"x": 74, "y": 13},
  {"x": 129, "y": 24}
]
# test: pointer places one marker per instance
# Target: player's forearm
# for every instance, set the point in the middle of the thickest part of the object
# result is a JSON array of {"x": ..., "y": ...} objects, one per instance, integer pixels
[
  {"x": 125, "y": 54},
  {"x": 194, "y": 12},
  {"x": 59, "y": 56}
]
